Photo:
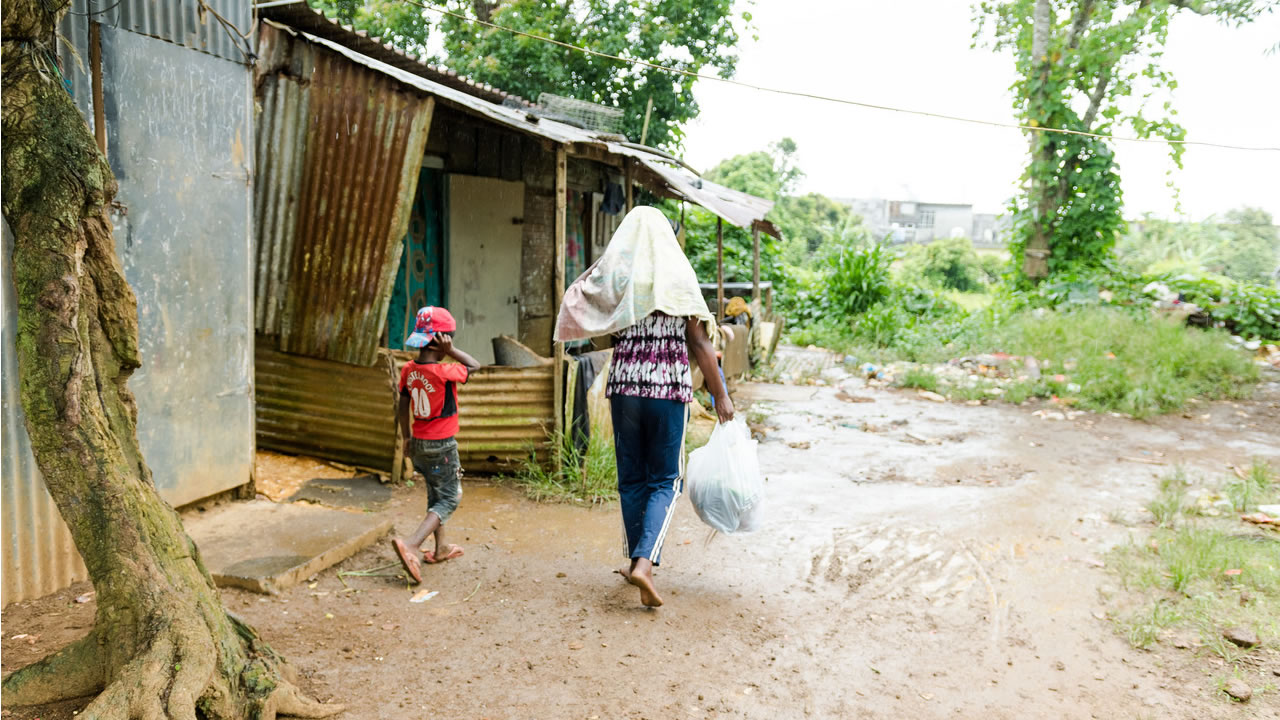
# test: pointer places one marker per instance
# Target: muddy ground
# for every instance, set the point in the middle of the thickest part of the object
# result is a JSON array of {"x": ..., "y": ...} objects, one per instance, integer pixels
[{"x": 922, "y": 560}]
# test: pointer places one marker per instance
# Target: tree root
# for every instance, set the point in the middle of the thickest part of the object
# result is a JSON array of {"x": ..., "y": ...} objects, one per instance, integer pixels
[
  {"x": 175, "y": 676},
  {"x": 74, "y": 671}
]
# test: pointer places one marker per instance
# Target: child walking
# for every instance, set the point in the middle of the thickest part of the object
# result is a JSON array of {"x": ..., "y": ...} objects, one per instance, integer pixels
[{"x": 428, "y": 420}]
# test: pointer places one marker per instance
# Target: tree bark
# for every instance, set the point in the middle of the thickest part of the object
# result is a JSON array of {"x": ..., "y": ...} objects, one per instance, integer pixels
[
  {"x": 1035, "y": 261},
  {"x": 162, "y": 645}
]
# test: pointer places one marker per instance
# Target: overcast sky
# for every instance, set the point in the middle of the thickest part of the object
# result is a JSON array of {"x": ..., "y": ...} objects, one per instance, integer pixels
[{"x": 917, "y": 54}]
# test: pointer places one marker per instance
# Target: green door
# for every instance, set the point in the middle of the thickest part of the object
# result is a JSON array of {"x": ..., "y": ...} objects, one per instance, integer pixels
[{"x": 420, "y": 279}]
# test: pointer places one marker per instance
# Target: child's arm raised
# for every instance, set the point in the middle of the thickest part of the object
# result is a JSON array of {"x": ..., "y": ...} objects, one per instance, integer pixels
[{"x": 445, "y": 343}]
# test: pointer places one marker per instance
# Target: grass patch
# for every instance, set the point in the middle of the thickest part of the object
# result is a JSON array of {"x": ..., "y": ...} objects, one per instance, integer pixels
[
  {"x": 1201, "y": 575},
  {"x": 569, "y": 475},
  {"x": 1112, "y": 360},
  {"x": 1137, "y": 365},
  {"x": 920, "y": 379}
]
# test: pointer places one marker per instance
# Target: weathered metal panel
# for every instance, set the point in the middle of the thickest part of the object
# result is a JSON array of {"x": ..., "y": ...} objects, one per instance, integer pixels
[
  {"x": 193, "y": 23},
  {"x": 502, "y": 412},
  {"x": 73, "y": 51},
  {"x": 324, "y": 408},
  {"x": 179, "y": 126},
  {"x": 38, "y": 554},
  {"x": 334, "y": 203}
]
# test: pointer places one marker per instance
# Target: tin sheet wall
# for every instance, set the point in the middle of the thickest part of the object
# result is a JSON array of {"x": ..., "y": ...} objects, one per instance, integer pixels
[
  {"x": 38, "y": 555},
  {"x": 178, "y": 138},
  {"x": 502, "y": 412},
  {"x": 340, "y": 147}
]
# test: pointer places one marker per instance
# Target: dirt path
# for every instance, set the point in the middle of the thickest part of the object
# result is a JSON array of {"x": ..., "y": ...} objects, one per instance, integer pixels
[{"x": 940, "y": 563}]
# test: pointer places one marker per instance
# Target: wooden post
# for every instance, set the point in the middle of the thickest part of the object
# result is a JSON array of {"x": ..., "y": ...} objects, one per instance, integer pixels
[
  {"x": 648, "y": 110},
  {"x": 719, "y": 269},
  {"x": 629, "y": 182},
  {"x": 557, "y": 292},
  {"x": 755, "y": 263}
]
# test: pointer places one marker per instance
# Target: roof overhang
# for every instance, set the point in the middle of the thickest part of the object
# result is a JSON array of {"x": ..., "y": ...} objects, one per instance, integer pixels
[{"x": 666, "y": 174}]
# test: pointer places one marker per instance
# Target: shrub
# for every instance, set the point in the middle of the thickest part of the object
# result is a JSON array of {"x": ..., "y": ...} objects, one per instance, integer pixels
[{"x": 859, "y": 278}]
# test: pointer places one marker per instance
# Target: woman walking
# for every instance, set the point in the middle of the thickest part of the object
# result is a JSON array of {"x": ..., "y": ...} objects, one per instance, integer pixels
[{"x": 645, "y": 293}]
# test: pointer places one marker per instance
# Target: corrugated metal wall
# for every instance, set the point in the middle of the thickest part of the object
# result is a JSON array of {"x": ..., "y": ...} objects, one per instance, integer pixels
[
  {"x": 346, "y": 413},
  {"x": 324, "y": 408},
  {"x": 502, "y": 412},
  {"x": 38, "y": 554},
  {"x": 340, "y": 146}
]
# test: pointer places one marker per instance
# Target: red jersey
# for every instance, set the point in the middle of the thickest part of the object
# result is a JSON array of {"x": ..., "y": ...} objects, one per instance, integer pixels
[{"x": 433, "y": 397}]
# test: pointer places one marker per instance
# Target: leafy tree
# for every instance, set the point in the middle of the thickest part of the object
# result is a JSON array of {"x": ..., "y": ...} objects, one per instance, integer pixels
[
  {"x": 768, "y": 174},
  {"x": 162, "y": 645},
  {"x": 815, "y": 227},
  {"x": 401, "y": 23},
  {"x": 690, "y": 35},
  {"x": 1245, "y": 246},
  {"x": 949, "y": 263},
  {"x": 1253, "y": 250},
  {"x": 1089, "y": 66}
]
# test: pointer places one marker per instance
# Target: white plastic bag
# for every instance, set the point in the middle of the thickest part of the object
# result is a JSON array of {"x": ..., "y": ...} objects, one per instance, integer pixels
[{"x": 724, "y": 479}]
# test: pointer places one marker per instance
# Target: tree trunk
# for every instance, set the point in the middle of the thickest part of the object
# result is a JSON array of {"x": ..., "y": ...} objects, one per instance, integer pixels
[
  {"x": 1035, "y": 261},
  {"x": 162, "y": 645}
]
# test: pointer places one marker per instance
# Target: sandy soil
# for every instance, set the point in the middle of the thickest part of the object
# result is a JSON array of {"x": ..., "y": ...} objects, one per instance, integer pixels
[{"x": 942, "y": 563}]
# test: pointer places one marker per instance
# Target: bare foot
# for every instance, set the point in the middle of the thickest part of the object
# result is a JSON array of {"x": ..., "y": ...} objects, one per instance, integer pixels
[
  {"x": 643, "y": 579},
  {"x": 625, "y": 573}
]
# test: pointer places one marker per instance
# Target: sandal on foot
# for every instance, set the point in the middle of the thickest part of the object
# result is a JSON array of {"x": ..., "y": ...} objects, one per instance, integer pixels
[
  {"x": 452, "y": 551},
  {"x": 408, "y": 560}
]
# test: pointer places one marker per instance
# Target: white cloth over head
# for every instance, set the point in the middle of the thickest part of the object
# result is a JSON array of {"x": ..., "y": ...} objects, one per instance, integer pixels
[{"x": 643, "y": 270}]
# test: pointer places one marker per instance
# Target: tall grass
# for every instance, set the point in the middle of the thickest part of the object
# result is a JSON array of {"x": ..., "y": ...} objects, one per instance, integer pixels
[
  {"x": 1138, "y": 365},
  {"x": 568, "y": 474}
]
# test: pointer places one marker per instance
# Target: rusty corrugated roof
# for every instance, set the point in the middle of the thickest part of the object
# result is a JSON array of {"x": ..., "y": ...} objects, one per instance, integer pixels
[{"x": 340, "y": 147}]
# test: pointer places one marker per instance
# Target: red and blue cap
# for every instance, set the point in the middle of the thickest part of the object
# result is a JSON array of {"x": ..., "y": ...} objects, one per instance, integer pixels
[{"x": 431, "y": 320}]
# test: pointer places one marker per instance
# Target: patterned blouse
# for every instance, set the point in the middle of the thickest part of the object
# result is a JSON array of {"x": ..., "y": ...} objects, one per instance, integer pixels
[{"x": 651, "y": 360}]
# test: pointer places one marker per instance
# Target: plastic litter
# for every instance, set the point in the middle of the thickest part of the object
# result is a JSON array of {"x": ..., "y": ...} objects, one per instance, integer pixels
[{"x": 724, "y": 480}]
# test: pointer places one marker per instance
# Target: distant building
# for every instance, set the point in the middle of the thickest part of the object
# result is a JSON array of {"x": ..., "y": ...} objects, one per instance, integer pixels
[{"x": 909, "y": 221}]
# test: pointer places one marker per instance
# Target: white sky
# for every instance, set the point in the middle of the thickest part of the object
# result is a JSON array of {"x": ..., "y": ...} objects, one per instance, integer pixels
[{"x": 916, "y": 55}]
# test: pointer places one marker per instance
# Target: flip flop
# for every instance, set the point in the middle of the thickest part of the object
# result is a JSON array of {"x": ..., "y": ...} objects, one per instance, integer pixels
[
  {"x": 454, "y": 552},
  {"x": 408, "y": 560}
]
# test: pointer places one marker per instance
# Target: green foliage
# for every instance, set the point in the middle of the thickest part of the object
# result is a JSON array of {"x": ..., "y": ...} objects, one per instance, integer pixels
[
  {"x": 569, "y": 475},
  {"x": 1157, "y": 366},
  {"x": 1178, "y": 577},
  {"x": 920, "y": 379},
  {"x": 400, "y": 23},
  {"x": 700, "y": 247},
  {"x": 859, "y": 279},
  {"x": 691, "y": 35},
  {"x": 1252, "y": 311},
  {"x": 1245, "y": 247},
  {"x": 949, "y": 263},
  {"x": 767, "y": 174},
  {"x": 1078, "y": 67}
]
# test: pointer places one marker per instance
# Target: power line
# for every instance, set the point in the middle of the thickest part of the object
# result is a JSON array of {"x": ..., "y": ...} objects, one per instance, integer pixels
[{"x": 826, "y": 98}]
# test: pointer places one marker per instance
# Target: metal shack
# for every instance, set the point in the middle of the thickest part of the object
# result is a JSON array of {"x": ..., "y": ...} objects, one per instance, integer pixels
[
  {"x": 166, "y": 87},
  {"x": 386, "y": 184}
]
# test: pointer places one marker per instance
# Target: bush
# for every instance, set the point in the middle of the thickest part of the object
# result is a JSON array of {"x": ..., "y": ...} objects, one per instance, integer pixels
[
  {"x": 859, "y": 278},
  {"x": 949, "y": 263}
]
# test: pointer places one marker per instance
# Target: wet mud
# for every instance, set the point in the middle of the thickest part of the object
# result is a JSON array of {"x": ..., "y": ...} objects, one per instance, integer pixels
[{"x": 921, "y": 560}]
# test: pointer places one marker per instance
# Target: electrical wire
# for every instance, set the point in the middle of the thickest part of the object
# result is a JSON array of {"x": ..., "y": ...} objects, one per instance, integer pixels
[{"x": 826, "y": 98}]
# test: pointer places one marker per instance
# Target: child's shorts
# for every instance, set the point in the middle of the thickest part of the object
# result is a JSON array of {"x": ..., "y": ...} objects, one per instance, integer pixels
[{"x": 437, "y": 462}]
